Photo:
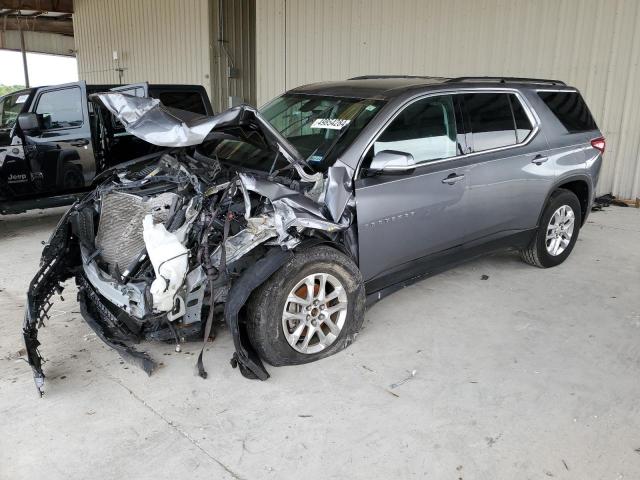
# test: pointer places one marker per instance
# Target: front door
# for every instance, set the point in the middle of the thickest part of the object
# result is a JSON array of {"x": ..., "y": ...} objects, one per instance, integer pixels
[
  {"x": 60, "y": 156},
  {"x": 405, "y": 217}
]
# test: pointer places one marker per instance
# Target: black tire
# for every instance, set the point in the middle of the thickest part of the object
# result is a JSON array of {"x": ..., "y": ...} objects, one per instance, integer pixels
[
  {"x": 72, "y": 178},
  {"x": 536, "y": 253},
  {"x": 265, "y": 308}
]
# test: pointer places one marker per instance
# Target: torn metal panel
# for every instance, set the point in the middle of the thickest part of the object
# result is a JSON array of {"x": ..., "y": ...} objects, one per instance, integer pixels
[
  {"x": 148, "y": 119},
  {"x": 291, "y": 208},
  {"x": 338, "y": 191},
  {"x": 259, "y": 230},
  {"x": 151, "y": 121}
]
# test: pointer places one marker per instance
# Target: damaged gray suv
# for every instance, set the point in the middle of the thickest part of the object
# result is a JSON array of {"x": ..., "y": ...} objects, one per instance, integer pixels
[{"x": 286, "y": 222}]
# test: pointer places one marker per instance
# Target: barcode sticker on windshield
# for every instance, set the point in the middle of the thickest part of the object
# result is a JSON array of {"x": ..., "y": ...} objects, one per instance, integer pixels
[
  {"x": 330, "y": 123},
  {"x": 22, "y": 99}
]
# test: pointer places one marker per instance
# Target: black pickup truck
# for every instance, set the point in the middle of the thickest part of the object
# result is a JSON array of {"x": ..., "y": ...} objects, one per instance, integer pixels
[{"x": 54, "y": 140}]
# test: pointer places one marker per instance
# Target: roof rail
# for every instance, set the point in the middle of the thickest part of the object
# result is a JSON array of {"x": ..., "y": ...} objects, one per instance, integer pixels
[
  {"x": 507, "y": 79},
  {"x": 373, "y": 77}
]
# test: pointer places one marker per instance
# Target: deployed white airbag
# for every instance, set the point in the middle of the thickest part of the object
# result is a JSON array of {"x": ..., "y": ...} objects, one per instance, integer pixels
[{"x": 169, "y": 259}]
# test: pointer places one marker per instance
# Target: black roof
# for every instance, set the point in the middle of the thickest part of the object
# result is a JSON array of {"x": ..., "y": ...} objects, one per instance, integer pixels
[{"x": 385, "y": 87}]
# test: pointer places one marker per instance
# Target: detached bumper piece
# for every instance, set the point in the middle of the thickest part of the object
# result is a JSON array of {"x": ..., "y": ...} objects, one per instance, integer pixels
[
  {"x": 56, "y": 265},
  {"x": 106, "y": 326}
]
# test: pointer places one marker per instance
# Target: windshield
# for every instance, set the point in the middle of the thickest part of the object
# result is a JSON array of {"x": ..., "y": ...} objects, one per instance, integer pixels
[
  {"x": 10, "y": 107},
  {"x": 319, "y": 127}
]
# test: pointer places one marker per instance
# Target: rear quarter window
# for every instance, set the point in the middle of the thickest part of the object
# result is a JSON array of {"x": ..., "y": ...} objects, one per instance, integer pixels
[
  {"x": 570, "y": 109},
  {"x": 189, "y": 101}
]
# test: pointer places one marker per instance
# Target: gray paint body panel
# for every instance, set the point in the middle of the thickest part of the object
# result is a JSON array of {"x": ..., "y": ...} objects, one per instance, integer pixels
[{"x": 412, "y": 216}]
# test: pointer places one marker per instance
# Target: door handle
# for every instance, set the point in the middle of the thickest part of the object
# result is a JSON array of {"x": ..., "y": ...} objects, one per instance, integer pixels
[
  {"x": 539, "y": 159},
  {"x": 80, "y": 143},
  {"x": 452, "y": 178}
]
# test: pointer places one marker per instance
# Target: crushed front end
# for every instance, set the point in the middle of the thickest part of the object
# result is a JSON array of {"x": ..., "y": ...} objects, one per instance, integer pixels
[{"x": 170, "y": 243}]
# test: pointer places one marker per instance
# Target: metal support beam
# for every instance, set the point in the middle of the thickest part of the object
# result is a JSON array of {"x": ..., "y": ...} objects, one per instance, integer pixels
[
  {"x": 24, "y": 55},
  {"x": 39, "y": 24},
  {"x": 57, "y": 6}
]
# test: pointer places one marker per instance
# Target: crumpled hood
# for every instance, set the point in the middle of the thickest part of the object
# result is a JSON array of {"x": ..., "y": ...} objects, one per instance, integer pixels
[
  {"x": 150, "y": 120},
  {"x": 153, "y": 122}
]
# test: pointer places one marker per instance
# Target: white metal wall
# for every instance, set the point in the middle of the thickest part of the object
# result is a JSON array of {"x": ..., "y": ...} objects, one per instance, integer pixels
[
  {"x": 38, "y": 42},
  {"x": 160, "y": 41},
  {"x": 233, "y": 42},
  {"x": 591, "y": 44}
]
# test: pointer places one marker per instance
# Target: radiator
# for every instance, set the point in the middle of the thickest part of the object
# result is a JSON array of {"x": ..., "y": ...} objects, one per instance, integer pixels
[{"x": 119, "y": 237}]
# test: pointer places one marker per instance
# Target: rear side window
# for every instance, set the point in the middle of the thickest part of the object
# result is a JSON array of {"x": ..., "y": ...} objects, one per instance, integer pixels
[
  {"x": 61, "y": 108},
  {"x": 496, "y": 120},
  {"x": 189, "y": 101},
  {"x": 570, "y": 109}
]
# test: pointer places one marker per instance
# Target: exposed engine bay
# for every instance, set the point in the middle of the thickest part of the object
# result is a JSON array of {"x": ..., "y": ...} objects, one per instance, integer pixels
[{"x": 168, "y": 244}]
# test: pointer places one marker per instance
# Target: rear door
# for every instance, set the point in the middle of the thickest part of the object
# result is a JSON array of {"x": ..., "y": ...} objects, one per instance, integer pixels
[
  {"x": 509, "y": 175},
  {"x": 60, "y": 155},
  {"x": 402, "y": 218}
]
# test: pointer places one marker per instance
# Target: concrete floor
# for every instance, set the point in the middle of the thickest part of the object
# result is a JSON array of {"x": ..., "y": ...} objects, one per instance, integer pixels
[{"x": 529, "y": 374}]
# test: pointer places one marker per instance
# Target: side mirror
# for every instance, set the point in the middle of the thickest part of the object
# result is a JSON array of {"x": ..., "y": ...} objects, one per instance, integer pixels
[
  {"x": 29, "y": 123},
  {"x": 391, "y": 161}
]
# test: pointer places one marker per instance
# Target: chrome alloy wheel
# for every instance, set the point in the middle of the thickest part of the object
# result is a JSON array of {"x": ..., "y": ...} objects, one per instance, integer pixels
[
  {"x": 560, "y": 230},
  {"x": 314, "y": 313}
]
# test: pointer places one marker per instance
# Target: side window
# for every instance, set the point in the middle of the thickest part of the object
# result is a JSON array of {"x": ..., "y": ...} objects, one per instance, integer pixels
[
  {"x": 189, "y": 101},
  {"x": 570, "y": 109},
  {"x": 426, "y": 129},
  {"x": 492, "y": 124},
  {"x": 61, "y": 108},
  {"x": 523, "y": 124},
  {"x": 496, "y": 120}
]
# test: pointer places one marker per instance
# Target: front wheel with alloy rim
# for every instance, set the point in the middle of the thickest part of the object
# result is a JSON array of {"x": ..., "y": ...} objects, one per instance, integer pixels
[
  {"x": 309, "y": 309},
  {"x": 557, "y": 233}
]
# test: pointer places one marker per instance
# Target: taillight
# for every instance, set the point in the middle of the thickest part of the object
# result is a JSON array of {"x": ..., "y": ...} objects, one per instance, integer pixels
[{"x": 599, "y": 144}]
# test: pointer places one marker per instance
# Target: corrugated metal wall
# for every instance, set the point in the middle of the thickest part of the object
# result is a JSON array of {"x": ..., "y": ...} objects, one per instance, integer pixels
[
  {"x": 160, "y": 41},
  {"x": 38, "y": 42},
  {"x": 237, "y": 34},
  {"x": 169, "y": 41},
  {"x": 591, "y": 44}
]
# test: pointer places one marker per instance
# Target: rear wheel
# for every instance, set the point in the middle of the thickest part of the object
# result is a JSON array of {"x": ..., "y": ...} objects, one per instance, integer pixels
[
  {"x": 311, "y": 308},
  {"x": 558, "y": 231}
]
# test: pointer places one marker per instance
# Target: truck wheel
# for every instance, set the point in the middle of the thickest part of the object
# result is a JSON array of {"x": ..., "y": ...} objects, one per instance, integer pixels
[
  {"x": 557, "y": 233},
  {"x": 309, "y": 309},
  {"x": 72, "y": 177}
]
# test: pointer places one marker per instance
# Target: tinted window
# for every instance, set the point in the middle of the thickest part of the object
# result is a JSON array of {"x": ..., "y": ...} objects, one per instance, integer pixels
[
  {"x": 61, "y": 108},
  {"x": 570, "y": 109},
  {"x": 190, "y": 101},
  {"x": 491, "y": 120},
  {"x": 426, "y": 129},
  {"x": 523, "y": 124}
]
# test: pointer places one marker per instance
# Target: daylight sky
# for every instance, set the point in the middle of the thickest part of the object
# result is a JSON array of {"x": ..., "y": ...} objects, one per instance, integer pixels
[{"x": 43, "y": 69}]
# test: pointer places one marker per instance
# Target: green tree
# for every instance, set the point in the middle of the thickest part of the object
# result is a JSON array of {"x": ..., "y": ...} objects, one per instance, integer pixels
[{"x": 4, "y": 89}]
